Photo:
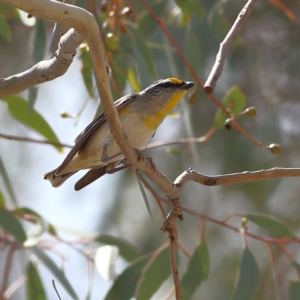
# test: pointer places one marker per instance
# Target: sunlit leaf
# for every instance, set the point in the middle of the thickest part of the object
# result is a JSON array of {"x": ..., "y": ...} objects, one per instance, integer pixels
[
  {"x": 133, "y": 81},
  {"x": 124, "y": 286},
  {"x": 18, "y": 107},
  {"x": 7, "y": 182},
  {"x": 154, "y": 274},
  {"x": 189, "y": 8},
  {"x": 10, "y": 223},
  {"x": 248, "y": 277},
  {"x": 105, "y": 260},
  {"x": 126, "y": 249},
  {"x": 34, "y": 284},
  {"x": 197, "y": 271},
  {"x": 234, "y": 101},
  {"x": 294, "y": 290},
  {"x": 275, "y": 226},
  {"x": 4, "y": 29},
  {"x": 59, "y": 274},
  {"x": 174, "y": 152}
]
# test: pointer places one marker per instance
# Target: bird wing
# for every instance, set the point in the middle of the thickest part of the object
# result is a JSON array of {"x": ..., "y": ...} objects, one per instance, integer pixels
[{"x": 83, "y": 137}]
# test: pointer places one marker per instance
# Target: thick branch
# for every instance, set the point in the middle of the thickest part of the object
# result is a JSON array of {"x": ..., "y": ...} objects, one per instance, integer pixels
[
  {"x": 44, "y": 70},
  {"x": 225, "y": 46}
]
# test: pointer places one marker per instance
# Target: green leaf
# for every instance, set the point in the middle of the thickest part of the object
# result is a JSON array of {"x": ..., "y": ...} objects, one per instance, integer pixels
[
  {"x": 59, "y": 274},
  {"x": 2, "y": 200},
  {"x": 124, "y": 286},
  {"x": 7, "y": 182},
  {"x": 144, "y": 195},
  {"x": 4, "y": 29},
  {"x": 234, "y": 101},
  {"x": 32, "y": 96},
  {"x": 9, "y": 222},
  {"x": 154, "y": 274},
  {"x": 190, "y": 7},
  {"x": 294, "y": 290},
  {"x": 140, "y": 43},
  {"x": 275, "y": 226},
  {"x": 87, "y": 68},
  {"x": 34, "y": 284},
  {"x": 39, "y": 42},
  {"x": 126, "y": 249},
  {"x": 296, "y": 266},
  {"x": 217, "y": 23},
  {"x": 18, "y": 107},
  {"x": 197, "y": 271},
  {"x": 147, "y": 25},
  {"x": 248, "y": 277}
]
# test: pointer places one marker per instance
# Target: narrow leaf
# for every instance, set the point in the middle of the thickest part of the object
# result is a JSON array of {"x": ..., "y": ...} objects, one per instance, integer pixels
[
  {"x": 9, "y": 222},
  {"x": 124, "y": 286},
  {"x": 59, "y": 274},
  {"x": 39, "y": 43},
  {"x": 248, "y": 277},
  {"x": 18, "y": 107},
  {"x": 128, "y": 251},
  {"x": 197, "y": 271},
  {"x": 275, "y": 226},
  {"x": 4, "y": 29},
  {"x": 294, "y": 290},
  {"x": 87, "y": 68},
  {"x": 34, "y": 284},
  {"x": 105, "y": 260},
  {"x": 154, "y": 274},
  {"x": 145, "y": 198},
  {"x": 2, "y": 200},
  {"x": 234, "y": 101},
  {"x": 139, "y": 41},
  {"x": 7, "y": 183}
]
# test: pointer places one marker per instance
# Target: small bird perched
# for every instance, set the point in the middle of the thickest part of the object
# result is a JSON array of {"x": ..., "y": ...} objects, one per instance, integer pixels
[{"x": 140, "y": 114}]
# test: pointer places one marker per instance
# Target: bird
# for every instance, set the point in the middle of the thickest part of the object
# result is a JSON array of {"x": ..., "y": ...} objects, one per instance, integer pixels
[{"x": 140, "y": 114}]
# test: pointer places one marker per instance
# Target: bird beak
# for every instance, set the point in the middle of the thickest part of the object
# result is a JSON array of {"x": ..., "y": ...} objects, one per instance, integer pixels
[{"x": 187, "y": 85}]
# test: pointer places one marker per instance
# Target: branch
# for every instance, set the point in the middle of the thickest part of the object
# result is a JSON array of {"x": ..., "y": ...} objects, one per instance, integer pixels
[
  {"x": 192, "y": 175},
  {"x": 45, "y": 70},
  {"x": 25, "y": 139},
  {"x": 225, "y": 46}
]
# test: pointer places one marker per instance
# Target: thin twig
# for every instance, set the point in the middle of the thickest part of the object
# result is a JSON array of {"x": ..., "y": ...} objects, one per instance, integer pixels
[
  {"x": 25, "y": 139},
  {"x": 225, "y": 46},
  {"x": 6, "y": 271}
]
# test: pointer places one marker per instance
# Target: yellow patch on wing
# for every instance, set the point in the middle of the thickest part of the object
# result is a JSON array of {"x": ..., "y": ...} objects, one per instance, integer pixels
[
  {"x": 175, "y": 80},
  {"x": 155, "y": 120}
]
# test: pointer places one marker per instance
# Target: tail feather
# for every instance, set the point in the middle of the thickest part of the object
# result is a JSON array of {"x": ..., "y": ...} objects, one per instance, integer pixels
[{"x": 57, "y": 180}]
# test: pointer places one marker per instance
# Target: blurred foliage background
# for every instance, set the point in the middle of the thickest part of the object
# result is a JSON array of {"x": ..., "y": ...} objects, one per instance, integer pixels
[{"x": 263, "y": 62}]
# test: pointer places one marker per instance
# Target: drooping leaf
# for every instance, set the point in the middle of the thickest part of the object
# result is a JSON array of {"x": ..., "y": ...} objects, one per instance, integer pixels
[
  {"x": 145, "y": 198},
  {"x": 7, "y": 182},
  {"x": 59, "y": 274},
  {"x": 2, "y": 200},
  {"x": 87, "y": 68},
  {"x": 126, "y": 249},
  {"x": 34, "y": 284},
  {"x": 189, "y": 8},
  {"x": 197, "y": 271},
  {"x": 234, "y": 101},
  {"x": 124, "y": 286},
  {"x": 18, "y": 107},
  {"x": 294, "y": 290},
  {"x": 248, "y": 277},
  {"x": 154, "y": 274},
  {"x": 275, "y": 226},
  {"x": 10, "y": 223},
  {"x": 143, "y": 48},
  {"x": 4, "y": 29},
  {"x": 105, "y": 260}
]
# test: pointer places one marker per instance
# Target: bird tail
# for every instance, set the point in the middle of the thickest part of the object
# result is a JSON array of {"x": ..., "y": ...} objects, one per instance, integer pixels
[{"x": 57, "y": 180}]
